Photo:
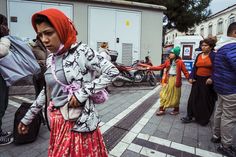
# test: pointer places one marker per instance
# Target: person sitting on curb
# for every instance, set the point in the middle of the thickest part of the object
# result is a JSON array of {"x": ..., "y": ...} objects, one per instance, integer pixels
[{"x": 170, "y": 94}]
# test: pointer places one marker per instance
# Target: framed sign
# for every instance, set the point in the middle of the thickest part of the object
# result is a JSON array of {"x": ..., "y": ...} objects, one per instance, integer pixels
[
  {"x": 188, "y": 65},
  {"x": 187, "y": 52}
]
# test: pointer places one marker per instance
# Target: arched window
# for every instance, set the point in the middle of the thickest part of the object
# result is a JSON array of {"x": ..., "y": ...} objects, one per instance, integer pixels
[
  {"x": 231, "y": 18},
  {"x": 220, "y": 26},
  {"x": 210, "y": 29},
  {"x": 202, "y": 31}
]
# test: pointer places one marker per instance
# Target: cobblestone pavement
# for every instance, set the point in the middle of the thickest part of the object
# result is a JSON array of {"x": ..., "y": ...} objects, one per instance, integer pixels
[{"x": 149, "y": 135}]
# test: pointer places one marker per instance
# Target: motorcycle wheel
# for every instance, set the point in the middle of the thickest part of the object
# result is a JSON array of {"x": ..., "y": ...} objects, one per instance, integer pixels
[
  {"x": 152, "y": 80},
  {"x": 119, "y": 82}
]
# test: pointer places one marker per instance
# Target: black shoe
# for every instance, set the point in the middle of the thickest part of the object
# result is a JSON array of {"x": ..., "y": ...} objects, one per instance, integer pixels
[
  {"x": 215, "y": 139},
  {"x": 5, "y": 134},
  {"x": 6, "y": 140},
  {"x": 226, "y": 151},
  {"x": 187, "y": 119}
]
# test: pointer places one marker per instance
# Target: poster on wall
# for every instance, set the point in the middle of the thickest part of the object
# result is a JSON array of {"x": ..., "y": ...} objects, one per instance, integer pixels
[
  {"x": 187, "y": 52},
  {"x": 188, "y": 65}
]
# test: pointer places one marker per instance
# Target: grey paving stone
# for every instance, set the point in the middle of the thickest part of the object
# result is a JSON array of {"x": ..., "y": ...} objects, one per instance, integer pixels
[
  {"x": 164, "y": 126},
  {"x": 119, "y": 109},
  {"x": 43, "y": 154},
  {"x": 30, "y": 153},
  {"x": 161, "y": 134},
  {"x": 204, "y": 130},
  {"x": 129, "y": 153},
  {"x": 189, "y": 141},
  {"x": 204, "y": 143},
  {"x": 169, "y": 118},
  {"x": 5, "y": 154},
  {"x": 41, "y": 146},
  {"x": 17, "y": 150},
  {"x": 155, "y": 120},
  {"x": 178, "y": 125},
  {"x": 191, "y": 132},
  {"x": 175, "y": 135},
  {"x": 107, "y": 117},
  {"x": 149, "y": 129}
]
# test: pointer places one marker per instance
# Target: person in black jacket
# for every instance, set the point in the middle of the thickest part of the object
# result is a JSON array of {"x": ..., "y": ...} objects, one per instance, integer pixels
[{"x": 5, "y": 137}]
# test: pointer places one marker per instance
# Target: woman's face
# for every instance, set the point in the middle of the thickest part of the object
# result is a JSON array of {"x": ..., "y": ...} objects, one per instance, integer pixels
[
  {"x": 205, "y": 48},
  {"x": 48, "y": 36},
  {"x": 172, "y": 56}
]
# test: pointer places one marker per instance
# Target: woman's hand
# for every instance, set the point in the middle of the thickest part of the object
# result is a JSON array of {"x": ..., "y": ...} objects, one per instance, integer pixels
[
  {"x": 22, "y": 128},
  {"x": 191, "y": 81},
  {"x": 74, "y": 102},
  {"x": 209, "y": 81}
]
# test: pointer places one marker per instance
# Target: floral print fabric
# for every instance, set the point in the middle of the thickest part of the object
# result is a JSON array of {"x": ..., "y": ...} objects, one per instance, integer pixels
[{"x": 67, "y": 143}]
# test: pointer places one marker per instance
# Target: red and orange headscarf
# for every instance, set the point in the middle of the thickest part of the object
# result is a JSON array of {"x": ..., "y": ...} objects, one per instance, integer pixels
[{"x": 62, "y": 24}]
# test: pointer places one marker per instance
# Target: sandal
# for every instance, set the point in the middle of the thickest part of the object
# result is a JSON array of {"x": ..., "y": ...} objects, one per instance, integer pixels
[
  {"x": 174, "y": 112},
  {"x": 159, "y": 113}
]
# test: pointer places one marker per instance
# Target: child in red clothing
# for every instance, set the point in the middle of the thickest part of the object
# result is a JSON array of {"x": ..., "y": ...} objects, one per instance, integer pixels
[{"x": 170, "y": 94}]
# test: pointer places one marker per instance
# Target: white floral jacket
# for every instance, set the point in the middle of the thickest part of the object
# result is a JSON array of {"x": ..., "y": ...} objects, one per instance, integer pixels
[{"x": 80, "y": 64}]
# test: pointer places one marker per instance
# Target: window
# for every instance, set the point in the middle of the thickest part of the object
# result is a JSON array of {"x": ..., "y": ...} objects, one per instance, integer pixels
[
  {"x": 231, "y": 19},
  {"x": 220, "y": 27},
  {"x": 192, "y": 31},
  {"x": 210, "y": 29},
  {"x": 202, "y": 31}
]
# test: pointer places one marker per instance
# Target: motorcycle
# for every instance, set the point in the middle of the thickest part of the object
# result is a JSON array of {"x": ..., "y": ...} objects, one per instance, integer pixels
[{"x": 134, "y": 74}]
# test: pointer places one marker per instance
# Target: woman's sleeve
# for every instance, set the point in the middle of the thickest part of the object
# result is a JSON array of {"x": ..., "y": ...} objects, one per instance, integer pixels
[
  {"x": 94, "y": 62},
  {"x": 194, "y": 69},
  {"x": 34, "y": 108},
  {"x": 157, "y": 68},
  {"x": 185, "y": 71}
]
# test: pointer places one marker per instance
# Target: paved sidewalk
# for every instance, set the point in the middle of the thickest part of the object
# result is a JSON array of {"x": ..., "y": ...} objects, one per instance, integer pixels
[
  {"x": 166, "y": 136},
  {"x": 149, "y": 135}
]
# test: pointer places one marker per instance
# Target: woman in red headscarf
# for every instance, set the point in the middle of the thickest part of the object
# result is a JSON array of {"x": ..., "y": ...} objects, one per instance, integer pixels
[{"x": 69, "y": 75}]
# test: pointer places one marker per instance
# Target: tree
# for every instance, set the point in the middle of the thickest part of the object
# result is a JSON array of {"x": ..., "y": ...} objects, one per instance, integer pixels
[{"x": 182, "y": 14}]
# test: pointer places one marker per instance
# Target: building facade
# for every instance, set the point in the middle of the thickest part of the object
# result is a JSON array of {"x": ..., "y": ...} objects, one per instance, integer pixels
[
  {"x": 215, "y": 26},
  {"x": 132, "y": 29}
]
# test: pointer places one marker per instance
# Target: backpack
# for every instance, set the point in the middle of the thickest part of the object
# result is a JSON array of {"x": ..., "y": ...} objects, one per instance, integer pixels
[
  {"x": 19, "y": 62},
  {"x": 34, "y": 126}
]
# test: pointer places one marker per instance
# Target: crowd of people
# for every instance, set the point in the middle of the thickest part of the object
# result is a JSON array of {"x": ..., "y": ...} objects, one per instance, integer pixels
[
  {"x": 213, "y": 78},
  {"x": 64, "y": 61}
]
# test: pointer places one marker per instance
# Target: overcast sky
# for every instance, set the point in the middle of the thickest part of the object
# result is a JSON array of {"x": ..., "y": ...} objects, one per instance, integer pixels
[{"x": 218, "y": 5}]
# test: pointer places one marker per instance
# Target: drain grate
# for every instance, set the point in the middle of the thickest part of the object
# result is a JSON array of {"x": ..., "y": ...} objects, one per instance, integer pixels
[
  {"x": 162, "y": 148},
  {"x": 128, "y": 122},
  {"x": 113, "y": 135}
]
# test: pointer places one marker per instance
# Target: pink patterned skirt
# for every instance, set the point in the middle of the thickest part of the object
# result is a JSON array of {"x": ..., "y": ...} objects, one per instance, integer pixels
[{"x": 67, "y": 143}]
